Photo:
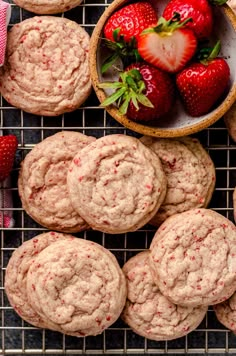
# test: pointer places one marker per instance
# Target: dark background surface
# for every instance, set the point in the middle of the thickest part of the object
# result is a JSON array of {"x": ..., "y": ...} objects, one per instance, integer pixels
[{"x": 18, "y": 337}]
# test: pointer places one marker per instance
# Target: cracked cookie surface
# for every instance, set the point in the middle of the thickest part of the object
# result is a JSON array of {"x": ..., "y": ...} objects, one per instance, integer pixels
[
  {"x": 148, "y": 312},
  {"x": 190, "y": 175},
  {"x": 116, "y": 184},
  {"x": 193, "y": 257},
  {"x": 42, "y": 181},
  {"x": 46, "y": 71},
  {"x": 78, "y": 285}
]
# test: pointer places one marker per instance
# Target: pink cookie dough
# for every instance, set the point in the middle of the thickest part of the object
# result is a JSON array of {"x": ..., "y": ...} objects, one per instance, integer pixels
[
  {"x": 190, "y": 175},
  {"x": 226, "y": 313},
  {"x": 116, "y": 184},
  {"x": 148, "y": 312},
  {"x": 78, "y": 285},
  {"x": 16, "y": 275},
  {"x": 42, "y": 181},
  {"x": 193, "y": 258},
  {"x": 46, "y": 70}
]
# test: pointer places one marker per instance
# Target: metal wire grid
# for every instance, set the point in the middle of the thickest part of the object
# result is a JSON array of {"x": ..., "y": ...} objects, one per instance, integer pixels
[{"x": 16, "y": 336}]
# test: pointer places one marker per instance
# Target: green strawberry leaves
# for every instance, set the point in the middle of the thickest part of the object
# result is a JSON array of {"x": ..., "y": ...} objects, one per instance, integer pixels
[
  {"x": 130, "y": 88},
  {"x": 207, "y": 54},
  {"x": 165, "y": 27}
]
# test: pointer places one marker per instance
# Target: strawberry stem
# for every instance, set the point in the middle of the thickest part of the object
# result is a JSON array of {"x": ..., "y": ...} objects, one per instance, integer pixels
[
  {"x": 116, "y": 34},
  {"x": 215, "y": 51},
  {"x": 109, "y": 61},
  {"x": 207, "y": 54},
  {"x": 166, "y": 27}
]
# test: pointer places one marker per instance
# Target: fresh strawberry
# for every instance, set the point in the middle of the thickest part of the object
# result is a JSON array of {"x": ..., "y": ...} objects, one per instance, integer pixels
[
  {"x": 169, "y": 45},
  {"x": 144, "y": 92},
  {"x": 8, "y": 146},
  {"x": 122, "y": 31},
  {"x": 199, "y": 10},
  {"x": 130, "y": 21},
  {"x": 201, "y": 84}
]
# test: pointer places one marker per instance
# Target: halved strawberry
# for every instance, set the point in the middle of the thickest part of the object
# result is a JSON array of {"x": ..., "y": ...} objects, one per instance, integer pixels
[
  {"x": 144, "y": 92},
  {"x": 168, "y": 46},
  {"x": 201, "y": 84}
]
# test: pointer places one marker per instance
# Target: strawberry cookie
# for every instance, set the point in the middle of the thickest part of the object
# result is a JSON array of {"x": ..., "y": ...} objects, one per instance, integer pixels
[
  {"x": 226, "y": 313},
  {"x": 46, "y": 71},
  {"x": 42, "y": 181},
  {"x": 116, "y": 184},
  {"x": 190, "y": 174},
  {"x": 47, "y": 7},
  {"x": 230, "y": 121},
  {"x": 16, "y": 274},
  {"x": 193, "y": 258},
  {"x": 234, "y": 203},
  {"x": 148, "y": 312},
  {"x": 78, "y": 285}
]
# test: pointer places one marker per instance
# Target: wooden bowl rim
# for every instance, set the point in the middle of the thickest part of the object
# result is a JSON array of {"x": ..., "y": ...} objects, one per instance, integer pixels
[{"x": 139, "y": 127}]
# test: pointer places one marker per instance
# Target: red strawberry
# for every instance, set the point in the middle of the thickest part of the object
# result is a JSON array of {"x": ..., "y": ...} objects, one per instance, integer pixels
[
  {"x": 199, "y": 10},
  {"x": 144, "y": 92},
  {"x": 8, "y": 146},
  {"x": 202, "y": 83},
  {"x": 131, "y": 20},
  {"x": 168, "y": 46},
  {"x": 122, "y": 31}
]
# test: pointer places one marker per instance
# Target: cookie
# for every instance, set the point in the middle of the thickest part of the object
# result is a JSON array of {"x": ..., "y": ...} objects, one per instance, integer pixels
[
  {"x": 230, "y": 121},
  {"x": 190, "y": 175},
  {"x": 46, "y": 70},
  {"x": 46, "y": 7},
  {"x": 193, "y": 258},
  {"x": 16, "y": 274},
  {"x": 116, "y": 184},
  {"x": 42, "y": 181},
  {"x": 78, "y": 285},
  {"x": 226, "y": 313},
  {"x": 148, "y": 312},
  {"x": 234, "y": 203}
]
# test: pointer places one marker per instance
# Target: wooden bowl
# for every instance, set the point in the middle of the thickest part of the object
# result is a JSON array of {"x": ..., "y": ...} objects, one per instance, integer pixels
[{"x": 178, "y": 122}]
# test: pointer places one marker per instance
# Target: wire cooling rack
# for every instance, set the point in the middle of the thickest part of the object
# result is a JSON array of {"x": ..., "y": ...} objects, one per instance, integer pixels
[{"x": 19, "y": 338}]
